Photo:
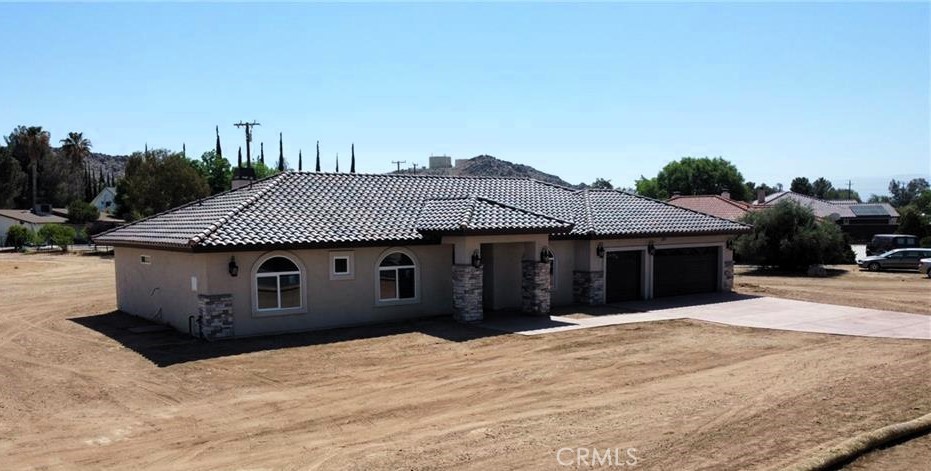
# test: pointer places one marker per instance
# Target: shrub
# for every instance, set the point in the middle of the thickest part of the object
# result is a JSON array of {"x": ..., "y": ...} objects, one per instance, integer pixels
[
  {"x": 57, "y": 234},
  {"x": 789, "y": 236},
  {"x": 80, "y": 212},
  {"x": 19, "y": 236}
]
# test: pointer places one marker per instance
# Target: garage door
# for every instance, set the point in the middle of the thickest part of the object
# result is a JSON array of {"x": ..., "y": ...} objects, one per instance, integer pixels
[
  {"x": 622, "y": 277},
  {"x": 685, "y": 271}
]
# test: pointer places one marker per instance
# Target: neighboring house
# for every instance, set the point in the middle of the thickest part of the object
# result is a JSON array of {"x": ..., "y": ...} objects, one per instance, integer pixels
[
  {"x": 105, "y": 201},
  {"x": 27, "y": 218},
  {"x": 721, "y": 205},
  {"x": 860, "y": 220},
  {"x": 302, "y": 251}
]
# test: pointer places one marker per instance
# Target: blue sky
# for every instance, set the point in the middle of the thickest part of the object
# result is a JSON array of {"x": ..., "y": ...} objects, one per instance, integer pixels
[{"x": 578, "y": 90}]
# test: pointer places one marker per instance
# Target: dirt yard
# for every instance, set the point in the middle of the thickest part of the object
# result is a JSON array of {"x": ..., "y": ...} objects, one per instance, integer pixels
[
  {"x": 79, "y": 389},
  {"x": 903, "y": 291}
]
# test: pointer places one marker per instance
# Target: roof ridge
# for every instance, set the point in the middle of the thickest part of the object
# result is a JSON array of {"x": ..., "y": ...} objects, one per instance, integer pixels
[
  {"x": 469, "y": 212},
  {"x": 523, "y": 210},
  {"x": 423, "y": 175},
  {"x": 665, "y": 203},
  {"x": 202, "y": 235},
  {"x": 587, "y": 206}
]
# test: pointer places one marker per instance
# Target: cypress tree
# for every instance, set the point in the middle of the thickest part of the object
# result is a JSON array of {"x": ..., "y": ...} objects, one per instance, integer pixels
[
  {"x": 352, "y": 165},
  {"x": 280, "y": 153},
  {"x": 219, "y": 150},
  {"x": 300, "y": 161},
  {"x": 184, "y": 150},
  {"x": 262, "y": 153},
  {"x": 239, "y": 159},
  {"x": 337, "y": 162},
  {"x": 318, "y": 156}
]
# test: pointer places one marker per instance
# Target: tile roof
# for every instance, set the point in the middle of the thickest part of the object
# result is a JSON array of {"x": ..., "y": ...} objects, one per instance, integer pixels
[
  {"x": 821, "y": 208},
  {"x": 714, "y": 205},
  {"x": 874, "y": 209},
  {"x": 26, "y": 215},
  {"x": 476, "y": 214},
  {"x": 309, "y": 209}
]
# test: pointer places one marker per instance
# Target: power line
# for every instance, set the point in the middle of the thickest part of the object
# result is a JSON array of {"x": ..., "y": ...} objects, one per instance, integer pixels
[{"x": 248, "y": 127}]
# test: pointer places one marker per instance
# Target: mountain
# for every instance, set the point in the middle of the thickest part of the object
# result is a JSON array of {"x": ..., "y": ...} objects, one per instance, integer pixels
[
  {"x": 488, "y": 166},
  {"x": 110, "y": 164}
]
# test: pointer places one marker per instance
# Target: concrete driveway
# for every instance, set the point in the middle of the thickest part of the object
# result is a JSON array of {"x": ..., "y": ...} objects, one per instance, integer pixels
[{"x": 733, "y": 309}]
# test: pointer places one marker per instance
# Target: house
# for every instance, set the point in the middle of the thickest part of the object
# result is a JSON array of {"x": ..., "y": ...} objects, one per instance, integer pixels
[
  {"x": 302, "y": 251},
  {"x": 721, "y": 206},
  {"x": 105, "y": 201},
  {"x": 860, "y": 220},
  {"x": 32, "y": 220}
]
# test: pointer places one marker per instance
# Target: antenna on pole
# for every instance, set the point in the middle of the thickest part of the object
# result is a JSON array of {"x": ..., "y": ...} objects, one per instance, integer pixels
[
  {"x": 248, "y": 127},
  {"x": 398, "y": 163}
]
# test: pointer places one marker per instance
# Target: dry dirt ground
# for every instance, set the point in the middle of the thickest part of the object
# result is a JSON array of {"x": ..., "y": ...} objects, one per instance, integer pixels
[
  {"x": 78, "y": 389},
  {"x": 903, "y": 291}
]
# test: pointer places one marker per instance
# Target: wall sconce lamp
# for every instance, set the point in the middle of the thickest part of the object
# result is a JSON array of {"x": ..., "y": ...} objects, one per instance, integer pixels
[
  {"x": 600, "y": 250},
  {"x": 233, "y": 268},
  {"x": 476, "y": 259},
  {"x": 651, "y": 249},
  {"x": 730, "y": 244},
  {"x": 546, "y": 255}
]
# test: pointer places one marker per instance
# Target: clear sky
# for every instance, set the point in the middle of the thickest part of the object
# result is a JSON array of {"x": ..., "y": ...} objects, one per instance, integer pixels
[{"x": 578, "y": 90}]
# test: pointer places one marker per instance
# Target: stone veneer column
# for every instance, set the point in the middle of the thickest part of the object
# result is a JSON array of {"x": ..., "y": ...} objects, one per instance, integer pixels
[
  {"x": 535, "y": 287},
  {"x": 467, "y": 293},
  {"x": 588, "y": 287},
  {"x": 216, "y": 315},
  {"x": 728, "y": 276}
]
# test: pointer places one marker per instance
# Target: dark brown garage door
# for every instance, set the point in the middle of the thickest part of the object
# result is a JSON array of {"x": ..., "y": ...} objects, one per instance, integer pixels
[
  {"x": 685, "y": 271},
  {"x": 622, "y": 281}
]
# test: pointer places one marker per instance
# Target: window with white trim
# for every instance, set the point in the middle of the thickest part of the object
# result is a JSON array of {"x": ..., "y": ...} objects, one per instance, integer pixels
[
  {"x": 342, "y": 266},
  {"x": 278, "y": 285},
  {"x": 397, "y": 277}
]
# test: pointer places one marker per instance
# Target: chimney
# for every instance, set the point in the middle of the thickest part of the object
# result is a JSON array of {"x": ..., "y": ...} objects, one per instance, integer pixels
[
  {"x": 726, "y": 194},
  {"x": 760, "y": 196}
]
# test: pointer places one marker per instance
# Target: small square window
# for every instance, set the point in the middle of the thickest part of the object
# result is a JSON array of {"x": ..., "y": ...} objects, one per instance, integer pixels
[
  {"x": 145, "y": 259},
  {"x": 342, "y": 265}
]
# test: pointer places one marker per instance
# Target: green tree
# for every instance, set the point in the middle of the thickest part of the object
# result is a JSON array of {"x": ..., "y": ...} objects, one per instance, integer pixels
[
  {"x": 29, "y": 145},
  {"x": 18, "y": 236},
  {"x": 911, "y": 221},
  {"x": 821, "y": 188},
  {"x": 603, "y": 184},
  {"x": 904, "y": 193},
  {"x": 81, "y": 212},
  {"x": 216, "y": 170},
  {"x": 789, "y": 236},
  {"x": 264, "y": 171},
  {"x": 12, "y": 179},
  {"x": 76, "y": 148},
  {"x": 801, "y": 185},
  {"x": 156, "y": 181},
  {"x": 57, "y": 234},
  {"x": 695, "y": 176}
]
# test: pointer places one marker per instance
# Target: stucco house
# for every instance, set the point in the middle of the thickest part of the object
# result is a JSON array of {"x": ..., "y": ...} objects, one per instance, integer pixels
[
  {"x": 302, "y": 251},
  {"x": 30, "y": 219},
  {"x": 105, "y": 201},
  {"x": 860, "y": 220}
]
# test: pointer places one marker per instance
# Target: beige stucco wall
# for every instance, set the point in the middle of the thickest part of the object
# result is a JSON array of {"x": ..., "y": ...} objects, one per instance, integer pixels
[
  {"x": 565, "y": 263},
  {"x": 162, "y": 289}
]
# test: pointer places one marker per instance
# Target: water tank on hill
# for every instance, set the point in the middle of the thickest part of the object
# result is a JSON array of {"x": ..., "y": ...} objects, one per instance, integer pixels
[{"x": 441, "y": 161}]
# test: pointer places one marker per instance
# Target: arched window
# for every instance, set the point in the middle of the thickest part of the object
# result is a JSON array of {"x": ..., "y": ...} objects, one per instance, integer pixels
[
  {"x": 397, "y": 277},
  {"x": 278, "y": 285}
]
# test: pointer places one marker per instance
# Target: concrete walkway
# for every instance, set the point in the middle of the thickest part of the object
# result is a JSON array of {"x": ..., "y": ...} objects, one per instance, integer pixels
[{"x": 733, "y": 309}]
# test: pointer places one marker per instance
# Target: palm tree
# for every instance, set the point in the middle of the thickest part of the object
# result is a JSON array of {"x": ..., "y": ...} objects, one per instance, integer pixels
[
  {"x": 76, "y": 147},
  {"x": 37, "y": 142}
]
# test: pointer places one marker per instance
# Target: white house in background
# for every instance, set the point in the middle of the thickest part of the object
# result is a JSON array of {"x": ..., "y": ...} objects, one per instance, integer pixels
[
  {"x": 27, "y": 218},
  {"x": 105, "y": 201}
]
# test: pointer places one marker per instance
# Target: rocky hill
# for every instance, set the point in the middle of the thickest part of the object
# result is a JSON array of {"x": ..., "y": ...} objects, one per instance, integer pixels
[
  {"x": 488, "y": 166},
  {"x": 110, "y": 164}
]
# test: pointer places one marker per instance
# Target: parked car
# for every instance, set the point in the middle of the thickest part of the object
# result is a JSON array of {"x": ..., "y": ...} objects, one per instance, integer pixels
[
  {"x": 882, "y": 243},
  {"x": 924, "y": 266},
  {"x": 906, "y": 259}
]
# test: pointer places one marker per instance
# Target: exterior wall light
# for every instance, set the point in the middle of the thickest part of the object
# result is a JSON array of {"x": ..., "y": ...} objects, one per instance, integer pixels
[
  {"x": 546, "y": 255},
  {"x": 651, "y": 249},
  {"x": 233, "y": 267},
  {"x": 476, "y": 259},
  {"x": 730, "y": 244},
  {"x": 600, "y": 250}
]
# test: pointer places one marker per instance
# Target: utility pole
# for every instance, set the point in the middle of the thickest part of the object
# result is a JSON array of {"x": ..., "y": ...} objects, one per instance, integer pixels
[
  {"x": 415, "y": 167},
  {"x": 398, "y": 163},
  {"x": 248, "y": 127}
]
